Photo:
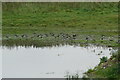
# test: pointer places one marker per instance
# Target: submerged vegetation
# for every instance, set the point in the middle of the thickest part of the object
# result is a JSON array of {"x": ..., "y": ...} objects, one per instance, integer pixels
[{"x": 47, "y": 24}]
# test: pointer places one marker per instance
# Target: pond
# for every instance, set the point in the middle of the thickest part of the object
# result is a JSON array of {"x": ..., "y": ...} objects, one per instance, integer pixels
[
  {"x": 0, "y": 63},
  {"x": 50, "y": 62}
]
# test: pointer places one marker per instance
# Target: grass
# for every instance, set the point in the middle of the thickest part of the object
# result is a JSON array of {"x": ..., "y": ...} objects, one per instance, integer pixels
[
  {"x": 83, "y": 19},
  {"x": 108, "y": 69},
  {"x": 103, "y": 59}
]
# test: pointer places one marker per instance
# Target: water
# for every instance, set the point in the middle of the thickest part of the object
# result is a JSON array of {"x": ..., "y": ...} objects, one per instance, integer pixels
[
  {"x": 50, "y": 62},
  {"x": 0, "y": 63}
]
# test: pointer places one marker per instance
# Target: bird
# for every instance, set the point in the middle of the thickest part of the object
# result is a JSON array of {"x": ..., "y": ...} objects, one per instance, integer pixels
[
  {"x": 16, "y": 35},
  {"x": 100, "y": 51},
  {"x": 74, "y": 35},
  {"x": 7, "y": 36},
  {"x": 98, "y": 54},
  {"x": 38, "y": 35},
  {"x": 86, "y": 38},
  {"x": 23, "y": 36}
]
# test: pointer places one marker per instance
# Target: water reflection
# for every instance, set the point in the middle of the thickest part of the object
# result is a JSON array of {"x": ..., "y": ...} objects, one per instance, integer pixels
[
  {"x": 50, "y": 62},
  {"x": 44, "y": 43}
]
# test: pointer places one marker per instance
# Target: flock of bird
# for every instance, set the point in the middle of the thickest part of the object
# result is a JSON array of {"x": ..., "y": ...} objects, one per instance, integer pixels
[
  {"x": 41, "y": 36},
  {"x": 63, "y": 36}
]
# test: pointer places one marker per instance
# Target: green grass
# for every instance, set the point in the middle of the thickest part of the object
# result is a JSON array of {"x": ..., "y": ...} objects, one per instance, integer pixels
[
  {"x": 108, "y": 69},
  {"x": 49, "y": 17},
  {"x": 103, "y": 59},
  {"x": 83, "y": 19}
]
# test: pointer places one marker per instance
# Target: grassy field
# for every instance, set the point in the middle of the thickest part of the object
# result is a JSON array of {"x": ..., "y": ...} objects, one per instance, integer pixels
[
  {"x": 47, "y": 24},
  {"x": 107, "y": 69},
  {"x": 86, "y": 20}
]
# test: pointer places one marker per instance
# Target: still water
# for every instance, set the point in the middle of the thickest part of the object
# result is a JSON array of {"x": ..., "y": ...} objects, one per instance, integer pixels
[
  {"x": 0, "y": 63},
  {"x": 50, "y": 62}
]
